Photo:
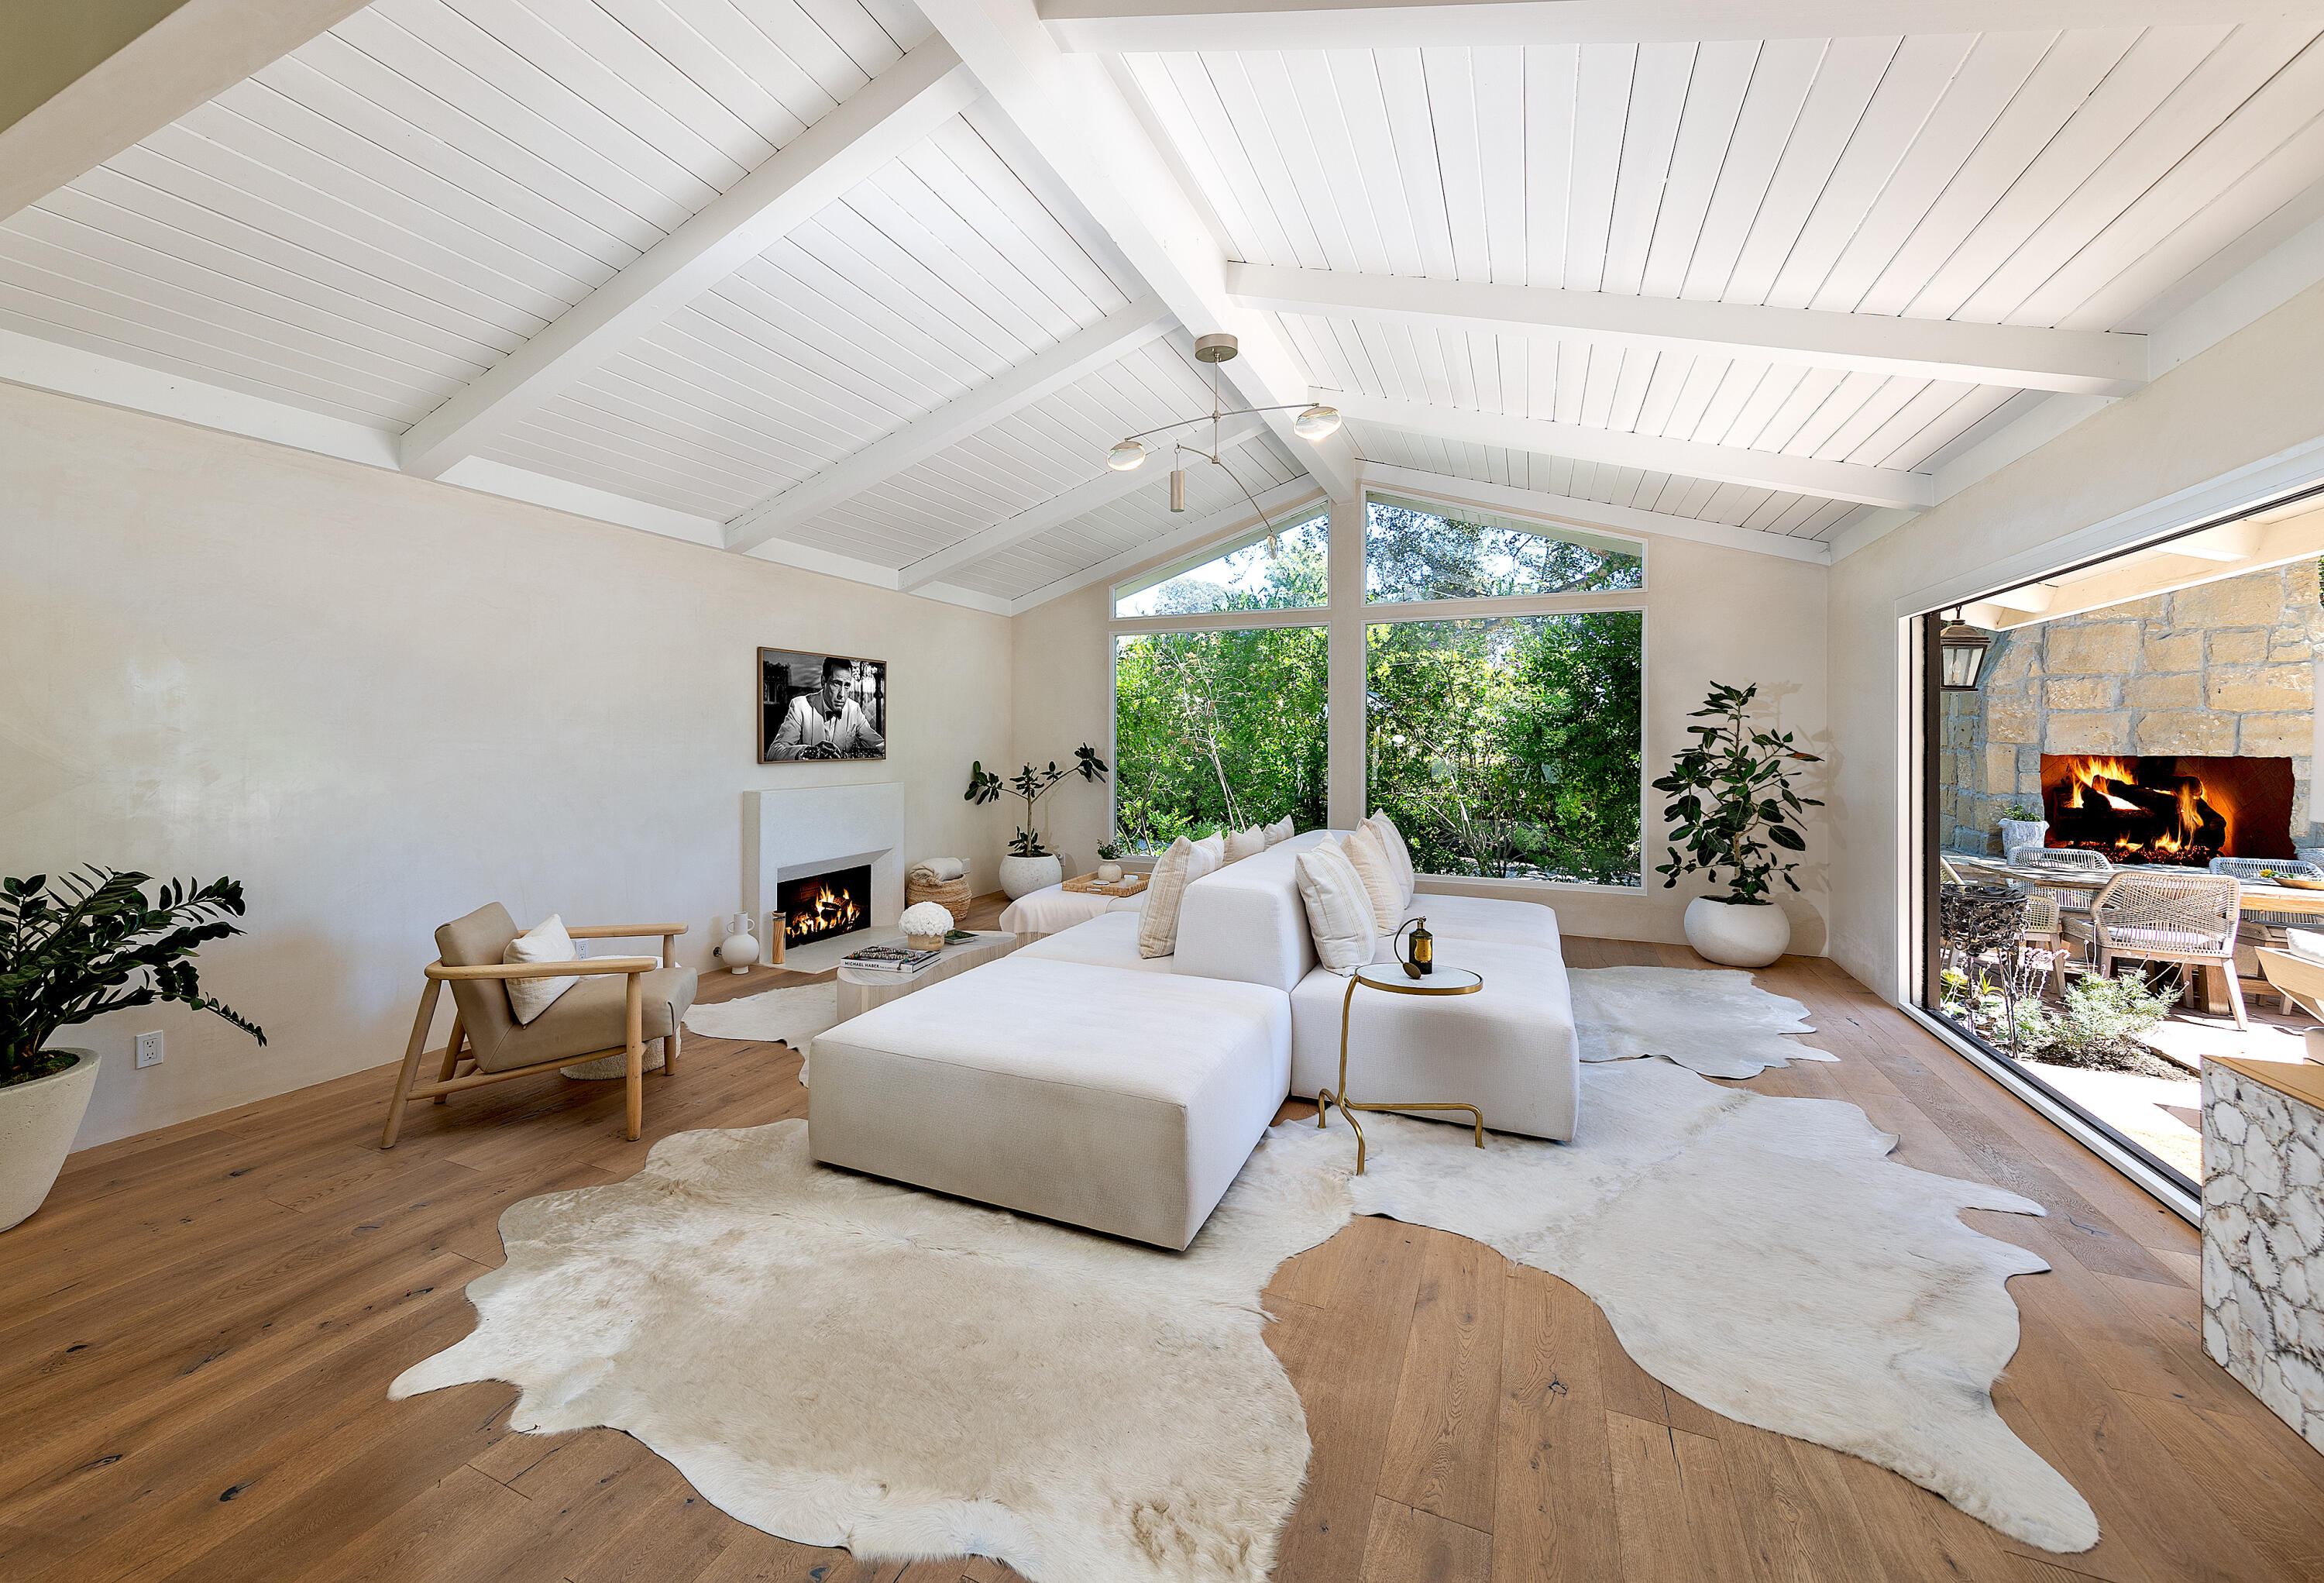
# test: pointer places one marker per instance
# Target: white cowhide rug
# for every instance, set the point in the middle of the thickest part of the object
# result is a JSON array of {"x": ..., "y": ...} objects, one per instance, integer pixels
[
  {"x": 840, "y": 1360},
  {"x": 1718, "y": 1023},
  {"x": 793, "y": 1016}
]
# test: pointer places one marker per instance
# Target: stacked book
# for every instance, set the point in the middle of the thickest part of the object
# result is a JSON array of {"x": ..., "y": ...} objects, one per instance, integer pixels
[{"x": 899, "y": 959}]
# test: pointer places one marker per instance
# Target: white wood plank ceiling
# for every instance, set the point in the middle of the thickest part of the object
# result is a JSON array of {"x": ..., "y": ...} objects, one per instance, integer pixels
[{"x": 865, "y": 285}]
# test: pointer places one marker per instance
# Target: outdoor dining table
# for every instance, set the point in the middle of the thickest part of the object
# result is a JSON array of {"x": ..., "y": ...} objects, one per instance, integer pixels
[{"x": 2261, "y": 895}]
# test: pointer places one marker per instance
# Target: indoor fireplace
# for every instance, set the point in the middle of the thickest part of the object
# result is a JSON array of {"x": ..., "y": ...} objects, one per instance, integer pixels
[
  {"x": 821, "y": 905},
  {"x": 2183, "y": 809}
]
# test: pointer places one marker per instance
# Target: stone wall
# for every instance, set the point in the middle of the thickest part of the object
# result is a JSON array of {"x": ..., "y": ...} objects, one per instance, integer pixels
[
  {"x": 2263, "y": 1244},
  {"x": 2227, "y": 669}
]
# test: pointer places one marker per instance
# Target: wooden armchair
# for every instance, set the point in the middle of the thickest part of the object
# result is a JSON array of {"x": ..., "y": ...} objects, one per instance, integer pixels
[{"x": 619, "y": 1005}]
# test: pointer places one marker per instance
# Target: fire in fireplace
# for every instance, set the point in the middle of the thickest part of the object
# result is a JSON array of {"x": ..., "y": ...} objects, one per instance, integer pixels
[
  {"x": 2183, "y": 809},
  {"x": 821, "y": 905}
]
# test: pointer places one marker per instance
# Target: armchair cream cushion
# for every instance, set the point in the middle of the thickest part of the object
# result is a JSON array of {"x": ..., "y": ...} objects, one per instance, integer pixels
[
  {"x": 1184, "y": 862},
  {"x": 1340, "y": 911},
  {"x": 545, "y": 941}
]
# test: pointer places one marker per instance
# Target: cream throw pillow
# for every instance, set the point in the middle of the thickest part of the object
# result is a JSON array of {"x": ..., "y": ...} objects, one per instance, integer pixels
[
  {"x": 1369, "y": 855},
  {"x": 546, "y": 942},
  {"x": 1215, "y": 843},
  {"x": 1279, "y": 831},
  {"x": 1398, "y": 854},
  {"x": 1158, "y": 925},
  {"x": 1339, "y": 909},
  {"x": 1242, "y": 844}
]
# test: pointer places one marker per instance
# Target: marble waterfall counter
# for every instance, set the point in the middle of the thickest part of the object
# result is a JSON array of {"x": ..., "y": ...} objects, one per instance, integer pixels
[{"x": 2264, "y": 1233}]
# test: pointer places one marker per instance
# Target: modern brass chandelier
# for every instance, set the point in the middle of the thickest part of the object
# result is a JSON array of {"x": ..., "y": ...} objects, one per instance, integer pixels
[{"x": 1315, "y": 421}]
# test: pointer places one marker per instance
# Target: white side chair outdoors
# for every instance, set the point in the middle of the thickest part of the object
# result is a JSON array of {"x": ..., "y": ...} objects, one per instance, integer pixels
[
  {"x": 2260, "y": 928},
  {"x": 2187, "y": 918}
]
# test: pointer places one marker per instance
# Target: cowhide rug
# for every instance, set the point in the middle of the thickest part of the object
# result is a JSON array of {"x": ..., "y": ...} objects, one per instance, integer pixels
[
  {"x": 794, "y": 1016},
  {"x": 1718, "y": 1022},
  {"x": 844, "y": 1361}
]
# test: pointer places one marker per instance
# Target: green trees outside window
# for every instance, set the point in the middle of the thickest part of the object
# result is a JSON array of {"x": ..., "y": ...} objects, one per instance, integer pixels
[
  {"x": 1509, "y": 748},
  {"x": 1506, "y": 746}
]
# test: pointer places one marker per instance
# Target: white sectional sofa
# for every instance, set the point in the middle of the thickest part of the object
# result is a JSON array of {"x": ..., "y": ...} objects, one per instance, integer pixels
[{"x": 1079, "y": 1081}]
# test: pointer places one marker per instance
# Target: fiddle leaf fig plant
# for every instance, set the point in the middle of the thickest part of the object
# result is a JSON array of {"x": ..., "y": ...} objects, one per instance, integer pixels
[
  {"x": 90, "y": 943},
  {"x": 984, "y": 786},
  {"x": 1732, "y": 807}
]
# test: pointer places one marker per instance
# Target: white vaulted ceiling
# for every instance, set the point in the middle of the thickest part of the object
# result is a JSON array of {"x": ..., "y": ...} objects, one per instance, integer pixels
[{"x": 872, "y": 287}]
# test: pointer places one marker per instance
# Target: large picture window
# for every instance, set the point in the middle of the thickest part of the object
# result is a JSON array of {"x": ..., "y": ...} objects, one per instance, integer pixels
[
  {"x": 1509, "y": 748},
  {"x": 1279, "y": 570},
  {"x": 1413, "y": 552},
  {"x": 1218, "y": 730}
]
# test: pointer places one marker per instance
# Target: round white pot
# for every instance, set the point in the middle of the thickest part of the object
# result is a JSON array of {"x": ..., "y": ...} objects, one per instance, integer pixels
[
  {"x": 1735, "y": 934},
  {"x": 37, "y": 1123},
  {"x": 1022, "y": 875}
]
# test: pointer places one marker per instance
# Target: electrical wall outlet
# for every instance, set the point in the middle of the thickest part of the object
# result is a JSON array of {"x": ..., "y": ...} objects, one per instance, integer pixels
[{"x": 149, "y": 1050}]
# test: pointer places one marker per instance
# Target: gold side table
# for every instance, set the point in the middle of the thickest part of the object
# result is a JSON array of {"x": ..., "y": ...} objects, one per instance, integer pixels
[{"x": 1391, "y": 978}]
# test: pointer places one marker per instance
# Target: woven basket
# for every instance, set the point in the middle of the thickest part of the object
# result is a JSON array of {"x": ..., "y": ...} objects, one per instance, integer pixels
[{"x": 952, "y": 895}]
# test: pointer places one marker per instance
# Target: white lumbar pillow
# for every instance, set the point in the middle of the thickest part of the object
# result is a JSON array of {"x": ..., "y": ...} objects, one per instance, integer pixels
[
  {"x": 1339, "y": 908},
  {"x": 1398, "y": 853},
  {"x": 1242, "y": 844},
  {"x": 1215, "y": 843},
  {"x": 546, "y": 942},
  {"x": 1279, "y": 831},
  {"x": 1369, "y": 855},
  {"x": 1157, "y": 927}
]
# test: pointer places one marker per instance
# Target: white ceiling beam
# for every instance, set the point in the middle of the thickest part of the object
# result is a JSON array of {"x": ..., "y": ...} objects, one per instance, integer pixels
[
  {"x": 1125, "y": 26},
  {"x": 1587, "y": 513},
  {"x": 897, "y": 109},
  {"x": 1035, "y": 520},
  {"x": 1282, "y": 499},
  {"x": 2081, "y": 362},
  {"x": 1074, "y": 117},
  {"x": 173, "y": 68},
  {"x": 1107, "y": 341},
  {"x": 1728, "y": 464}
]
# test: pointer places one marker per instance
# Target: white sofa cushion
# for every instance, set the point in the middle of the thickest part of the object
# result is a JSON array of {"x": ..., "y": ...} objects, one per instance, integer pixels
[
  {"x": 1399, "y": 856},
  {"x": 545, "y": 941},
  {"x": 1184, "y": 862},
  {"x": 1339, "y": 907},
  {"x": 1108, "y": 941},
  {"x": 1124, "y": 1102},
  {"x": 1369, "y": 855},
  {"x": 1493, "y": 918},
  {"x": 1510, "y": 1049},
  {"x": 1247, "y": 922}
]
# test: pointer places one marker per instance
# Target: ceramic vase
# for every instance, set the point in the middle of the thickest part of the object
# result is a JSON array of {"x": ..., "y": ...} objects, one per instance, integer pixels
[
  {"x": 1735, "y": 933},
  {"x": 37, "y": 1123}
]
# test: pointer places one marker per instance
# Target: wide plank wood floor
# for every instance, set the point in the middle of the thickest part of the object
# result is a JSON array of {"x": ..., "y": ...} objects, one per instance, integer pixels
[{"x": 196, "y": 1334}]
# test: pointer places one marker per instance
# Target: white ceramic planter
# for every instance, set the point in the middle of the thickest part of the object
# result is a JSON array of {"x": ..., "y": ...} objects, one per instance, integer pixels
[
  {"x": 1023, "y": 875},
  {"x": 37, "y": 1123},
  {"x": 1735, "y": 934},
  {"x": 2022, "y": 832}
]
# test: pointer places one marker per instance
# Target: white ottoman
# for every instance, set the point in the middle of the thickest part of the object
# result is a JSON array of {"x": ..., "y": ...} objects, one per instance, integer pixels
[
  {"x": 1510, "y": 1049},
  {"x": 1123, "y": 1102}
]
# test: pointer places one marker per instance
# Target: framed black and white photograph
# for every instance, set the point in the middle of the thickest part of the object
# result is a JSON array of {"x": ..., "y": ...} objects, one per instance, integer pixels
[{"x": 821, "y": 707}]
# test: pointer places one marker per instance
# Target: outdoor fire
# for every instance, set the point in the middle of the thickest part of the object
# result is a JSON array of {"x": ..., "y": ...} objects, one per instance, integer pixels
[
  {"x": 821, "y": 907},
  {"x": 2182, "y": 810}
]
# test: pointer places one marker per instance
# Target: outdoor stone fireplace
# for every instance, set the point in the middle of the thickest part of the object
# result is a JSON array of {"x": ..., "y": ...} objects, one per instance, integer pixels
[{"x": 2221, "y": 673}]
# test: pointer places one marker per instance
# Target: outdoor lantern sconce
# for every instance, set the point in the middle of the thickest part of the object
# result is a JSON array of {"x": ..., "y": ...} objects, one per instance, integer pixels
[{"x": 1961, "y": 650}]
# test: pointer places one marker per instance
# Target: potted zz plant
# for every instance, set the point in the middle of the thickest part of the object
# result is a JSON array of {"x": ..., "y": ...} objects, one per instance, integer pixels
[
  {"x": 1732, "y": 809},
  {"x": 86, "y": 945},
  {"x": 1030, "y": 865}
]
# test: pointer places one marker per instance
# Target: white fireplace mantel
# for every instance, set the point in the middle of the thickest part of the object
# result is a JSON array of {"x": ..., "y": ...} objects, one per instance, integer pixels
[{"x": 792, "y": 833}]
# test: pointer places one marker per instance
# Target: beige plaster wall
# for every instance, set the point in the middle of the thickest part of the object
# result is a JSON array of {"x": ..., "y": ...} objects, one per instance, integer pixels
[
  {"x": 381, "y": 701},
  {"x": 2254, "y": 396},
  {"x": 1712, "y": 613}
]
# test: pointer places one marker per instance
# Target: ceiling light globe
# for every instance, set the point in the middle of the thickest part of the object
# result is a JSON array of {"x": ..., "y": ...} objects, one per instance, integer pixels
[
  {"x": 1316, "y": 422},
  {"x": 1126, "y": 456}
]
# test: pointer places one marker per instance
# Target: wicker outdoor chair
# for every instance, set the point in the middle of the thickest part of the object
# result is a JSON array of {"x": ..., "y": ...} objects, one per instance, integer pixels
[
  {"x": 2187, "y": 918},
  {"x": 2260, "y": 928},
  {"x": 2045, "y": 928}
]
